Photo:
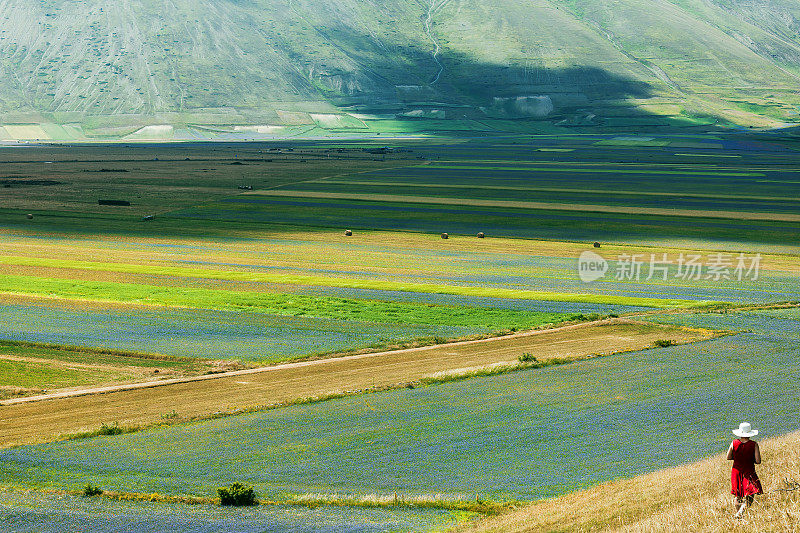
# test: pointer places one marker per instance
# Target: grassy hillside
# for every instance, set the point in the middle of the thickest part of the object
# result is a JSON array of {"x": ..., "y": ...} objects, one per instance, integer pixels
[
  {"x": 103, "y": 68},
  {"x": 687, "y": 498}
]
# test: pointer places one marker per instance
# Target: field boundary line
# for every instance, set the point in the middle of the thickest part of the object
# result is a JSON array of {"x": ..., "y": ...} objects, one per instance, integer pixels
[
  {"x": 337, "y": 175},
  {"x": 548, "y": 189},
  {"x": 300, "y": 364},
  {"x": 514, "y": 204}
]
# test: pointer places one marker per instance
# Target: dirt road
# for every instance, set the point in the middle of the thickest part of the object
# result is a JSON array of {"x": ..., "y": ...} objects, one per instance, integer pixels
[{"x": 42, "y": 418}]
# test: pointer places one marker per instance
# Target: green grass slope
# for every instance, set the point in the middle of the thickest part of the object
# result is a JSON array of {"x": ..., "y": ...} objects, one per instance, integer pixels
[{"x": 114, "y": 67}]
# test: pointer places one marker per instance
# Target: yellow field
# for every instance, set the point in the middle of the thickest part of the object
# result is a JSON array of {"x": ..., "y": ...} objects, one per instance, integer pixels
[
  {"x": 298, "y": 249},
  {"x": 37, "y": 421}
]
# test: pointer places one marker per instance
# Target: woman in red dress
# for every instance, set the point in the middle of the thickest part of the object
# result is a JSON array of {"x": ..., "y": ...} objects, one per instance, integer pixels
[{"x": 745, "y": 455}]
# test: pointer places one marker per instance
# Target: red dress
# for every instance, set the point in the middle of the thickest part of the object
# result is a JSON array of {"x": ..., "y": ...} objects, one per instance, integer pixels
[{"x": 744, "y": 481}]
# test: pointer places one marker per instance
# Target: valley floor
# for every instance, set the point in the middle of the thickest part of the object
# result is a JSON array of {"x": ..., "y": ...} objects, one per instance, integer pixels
[{"x": 201, "y": 275}]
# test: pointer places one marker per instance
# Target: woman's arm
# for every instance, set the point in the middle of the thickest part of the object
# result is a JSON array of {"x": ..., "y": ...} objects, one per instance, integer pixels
[
  {"x": 758, "y": 454},
  {"x": 730, "y": 452}
]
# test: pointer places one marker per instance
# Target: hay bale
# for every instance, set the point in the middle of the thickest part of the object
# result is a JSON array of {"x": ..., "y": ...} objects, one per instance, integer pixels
[
  {"x": 445, "y": 236},
  {"x": 348, "y": 233},
  {"x": 147, "y": 218},
  {"x": 481, "y": 235},
  {"x": 597, "y": 245},
  {"x": 29, "y": 216}
]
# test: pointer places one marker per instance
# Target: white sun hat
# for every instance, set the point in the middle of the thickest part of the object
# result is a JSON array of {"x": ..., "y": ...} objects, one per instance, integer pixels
[{"x": 745, "y": 430}]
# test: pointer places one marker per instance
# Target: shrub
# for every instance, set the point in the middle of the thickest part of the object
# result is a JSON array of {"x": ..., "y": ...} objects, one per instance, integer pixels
[
  {"x": 236, "y": 494},
  {"x": 91, "y": 490},
  {"x": 527, "y": 358},
  {"x": 580, "y": 317},
  {"x": 112, "y": 429},
  {"x": 663, "y": 343}
]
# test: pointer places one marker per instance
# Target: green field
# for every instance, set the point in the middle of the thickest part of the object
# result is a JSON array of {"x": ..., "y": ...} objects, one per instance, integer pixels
[
  {"x": 253, "y": 336},
  {"x": 27, "y": 369},
  {"x": 322, "y": 307},
  {"x": 22, "y": 376}
]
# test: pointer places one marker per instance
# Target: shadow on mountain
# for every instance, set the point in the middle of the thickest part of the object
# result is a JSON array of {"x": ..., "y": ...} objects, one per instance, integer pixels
[{"x": 410, "y": 84}]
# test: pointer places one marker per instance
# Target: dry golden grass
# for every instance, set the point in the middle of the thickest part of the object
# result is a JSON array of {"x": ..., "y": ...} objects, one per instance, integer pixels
[
  {"x": 692, "y": 497},
  {"x": 44, "y": 420}
]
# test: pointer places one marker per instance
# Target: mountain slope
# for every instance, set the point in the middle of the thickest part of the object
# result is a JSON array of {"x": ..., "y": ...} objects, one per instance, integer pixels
[{"x": 269, "y": 62}]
